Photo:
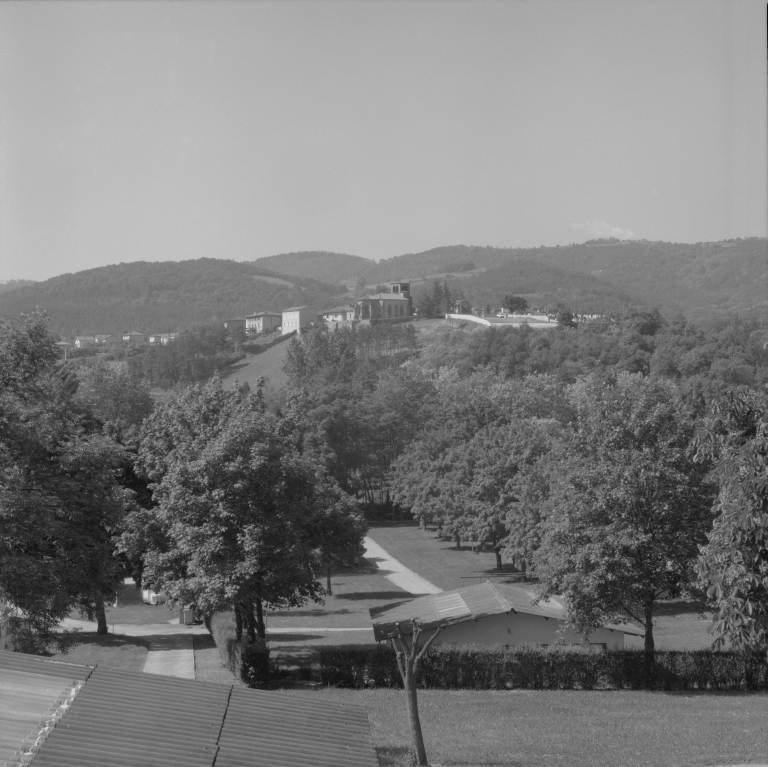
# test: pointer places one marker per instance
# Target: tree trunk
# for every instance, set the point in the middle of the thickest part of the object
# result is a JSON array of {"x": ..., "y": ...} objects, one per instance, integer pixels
[
  {"x": 101, "y": 618},
  {"x": 260, "y": 628},
  {"x": 457, "y": 538},
  {"x": 499, "y": 564},
  {"x": 250, "y": 623},
  {"x": 328, "y": 580},
  {"x": 413, "y": 715},
  {"x": 238, "y": 621},
  {"x": 649, "y": 643}
]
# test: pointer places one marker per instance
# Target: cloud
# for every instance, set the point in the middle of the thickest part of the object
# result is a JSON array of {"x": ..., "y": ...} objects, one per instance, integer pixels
[{"x": 603, "y": 229}]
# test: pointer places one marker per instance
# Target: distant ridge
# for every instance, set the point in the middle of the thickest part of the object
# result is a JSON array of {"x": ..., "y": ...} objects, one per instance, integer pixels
[
  {"x": 321, "y": 265},
  {"x": 162, "y": 296}
]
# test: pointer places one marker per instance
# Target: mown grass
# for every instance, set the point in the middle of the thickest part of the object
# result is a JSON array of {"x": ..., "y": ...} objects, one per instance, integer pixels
[
  {"x": 110, "y": 650},
  {"x": 578, "y": 729}
]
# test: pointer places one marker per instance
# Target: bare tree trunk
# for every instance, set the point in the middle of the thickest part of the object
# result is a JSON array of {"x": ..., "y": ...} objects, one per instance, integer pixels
[
  {"x": 101, "y": 618},
  {"x": 328, "y": 579},
  {"x": 649, "y": 643},
  {"x": 457, "y": 538},
  {"x": 408, "y": 659},
  {"x": 499, "y": 563}
]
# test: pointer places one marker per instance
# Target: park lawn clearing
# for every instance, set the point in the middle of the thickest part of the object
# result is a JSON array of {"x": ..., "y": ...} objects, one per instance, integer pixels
[
  {"x": 110, "y": 650},
  {"x": 580, "y": 729},
  {"x": 132, "y": 610},
  {"x": 267, "y": 364},
  {"x": 678, "y": 625},
  {"x": 208, "y": 664}
]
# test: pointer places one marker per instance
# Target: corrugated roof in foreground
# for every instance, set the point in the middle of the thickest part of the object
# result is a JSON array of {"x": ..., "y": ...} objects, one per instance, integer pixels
[
  {"x": 125, "y": 719},
  {"x": 469, "y": 603}
]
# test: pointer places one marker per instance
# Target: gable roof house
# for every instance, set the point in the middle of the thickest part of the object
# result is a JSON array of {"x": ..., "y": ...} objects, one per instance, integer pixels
[
  {"x": 339, "y": 314},
  {"x": 491, "y": 613},
  {"x": 104, "y": 340},
  {"x": 135, "y": 337},
  {"x": 298, "y": 317},
  {"x": 262, "y": 321},
  {"x": 81, "y": 342}
]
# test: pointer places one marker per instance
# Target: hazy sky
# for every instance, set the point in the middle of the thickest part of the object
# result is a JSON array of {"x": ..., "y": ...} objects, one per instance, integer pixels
[{"x": 173, "y": 130}]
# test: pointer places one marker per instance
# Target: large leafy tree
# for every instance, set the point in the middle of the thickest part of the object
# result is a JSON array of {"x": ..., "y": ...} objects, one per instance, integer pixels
[
  {"x": 240, "y": 513},
  {"x": 60, "y": 500},
  {"x": 627, "y": 506},
  {"x": 734, "y": 563}
]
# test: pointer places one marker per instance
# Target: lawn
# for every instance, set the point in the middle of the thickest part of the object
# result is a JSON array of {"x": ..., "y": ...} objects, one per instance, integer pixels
[
  {"x": 679, "y": 625},
  {"x": 208, "y": 665},
  {"x": 131, "y": 609},
  {"x": 112, "y": 651},
  {"x": 578, "y": 729}
]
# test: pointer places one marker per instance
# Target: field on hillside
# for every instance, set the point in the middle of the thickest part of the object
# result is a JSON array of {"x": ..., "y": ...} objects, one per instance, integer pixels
[
  {"x": 579, "y": 729},
  {"x": 679, "y": 625},
  {"x": 268, "y": 364}
]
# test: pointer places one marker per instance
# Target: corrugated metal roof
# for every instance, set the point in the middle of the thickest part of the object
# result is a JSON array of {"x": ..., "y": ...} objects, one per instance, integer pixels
[
  {"x": 481, "y": 600},
  {"x": 125, "y": 719}
]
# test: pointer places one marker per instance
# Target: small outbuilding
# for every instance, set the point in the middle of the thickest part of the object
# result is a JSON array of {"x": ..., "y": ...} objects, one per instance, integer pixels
[{"x": 491, "y": 613}]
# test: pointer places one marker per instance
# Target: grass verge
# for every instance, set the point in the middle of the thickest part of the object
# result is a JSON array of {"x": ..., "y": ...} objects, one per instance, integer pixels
[
  {"x": 578, "y": 729},
  {"x": 110, "y": 650}
]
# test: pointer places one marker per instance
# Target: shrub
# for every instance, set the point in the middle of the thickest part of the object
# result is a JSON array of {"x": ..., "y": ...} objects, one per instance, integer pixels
[
  {"x": 249, "y": 662},
  {"x": 462, "y": 667}
]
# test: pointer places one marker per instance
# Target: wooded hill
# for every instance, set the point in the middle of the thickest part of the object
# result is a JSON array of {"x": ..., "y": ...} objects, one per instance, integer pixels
[
  {"x": 337, "y": 268},
  {"x": 704, "y": 281},
  {"x": 165, "y": 296}
]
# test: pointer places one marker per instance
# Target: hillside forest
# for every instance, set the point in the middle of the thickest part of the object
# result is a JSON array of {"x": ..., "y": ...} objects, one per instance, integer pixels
[{"x": 708, "y": 283}]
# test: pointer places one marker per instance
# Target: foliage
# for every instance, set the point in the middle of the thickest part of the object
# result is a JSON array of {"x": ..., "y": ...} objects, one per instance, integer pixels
[
  {"x": 734, "y": 562},
  {"x": 514, "y": 303},
  {"x": 60, "y": 500},
  {"x": 239, "y": 510},
  {"x": 248, "y": 661},
  {"x": 627, "y": 506},
  {"x": 530, "y": 667}
]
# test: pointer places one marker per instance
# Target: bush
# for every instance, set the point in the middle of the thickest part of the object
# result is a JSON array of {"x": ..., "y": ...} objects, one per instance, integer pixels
[
  {"x": 478, "y": 667},
  {"x": 248, "y": 662}
]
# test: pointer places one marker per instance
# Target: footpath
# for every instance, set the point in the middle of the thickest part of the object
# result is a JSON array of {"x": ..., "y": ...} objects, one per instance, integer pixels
[{"x": 171, "y": 650}]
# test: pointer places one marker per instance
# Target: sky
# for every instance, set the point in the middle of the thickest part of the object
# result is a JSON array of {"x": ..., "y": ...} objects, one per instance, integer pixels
[{"x": 175, "y": 130}]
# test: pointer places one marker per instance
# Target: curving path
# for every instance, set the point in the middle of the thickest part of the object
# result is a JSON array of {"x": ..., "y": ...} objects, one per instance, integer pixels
[{"x": 397, "y": 572}]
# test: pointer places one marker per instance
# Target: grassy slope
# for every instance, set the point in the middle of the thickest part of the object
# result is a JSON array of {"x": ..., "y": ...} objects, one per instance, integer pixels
[
  {"x": 679, "y": 626},
  {"x": 578, "y": 729},
  {"x": 268, "y": 364},
  {"x": 126, "y": 653}
]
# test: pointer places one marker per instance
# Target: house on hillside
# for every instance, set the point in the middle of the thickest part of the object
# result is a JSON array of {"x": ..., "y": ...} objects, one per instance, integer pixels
[
  {"x": 262, "y": 322},
  {"x": 134, "y": 337},
  {"x": 106, "y": 340},
  {"x": 298, "y": 317},
  {"x": 491, "y": 613},
  {"x": 166, "y": 338},
  {"x": 339, "y": 314},
  {"x": 84, "y": 342}
]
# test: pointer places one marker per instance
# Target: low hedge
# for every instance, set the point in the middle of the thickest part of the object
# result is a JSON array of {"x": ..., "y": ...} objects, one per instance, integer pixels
[
  {"x": 473, "y": 667},
  {"x": 247, "y": 661}
]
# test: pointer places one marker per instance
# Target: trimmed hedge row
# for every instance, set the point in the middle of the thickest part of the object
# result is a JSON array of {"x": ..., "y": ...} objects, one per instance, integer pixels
[
  {"x": 248, "y": 662},
  {"x": 472, "y": 667}
]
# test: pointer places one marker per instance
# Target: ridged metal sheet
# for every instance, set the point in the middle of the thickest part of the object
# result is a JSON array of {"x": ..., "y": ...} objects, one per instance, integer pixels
[
  {"x": 294, "y": 731},
  {"x": 127, "y": 719}
]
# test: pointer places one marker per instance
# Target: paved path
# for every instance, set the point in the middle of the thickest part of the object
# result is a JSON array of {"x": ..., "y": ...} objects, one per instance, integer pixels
[
  {"x": 171, "y": 655},
  {"x": 396, "y": 572}
]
